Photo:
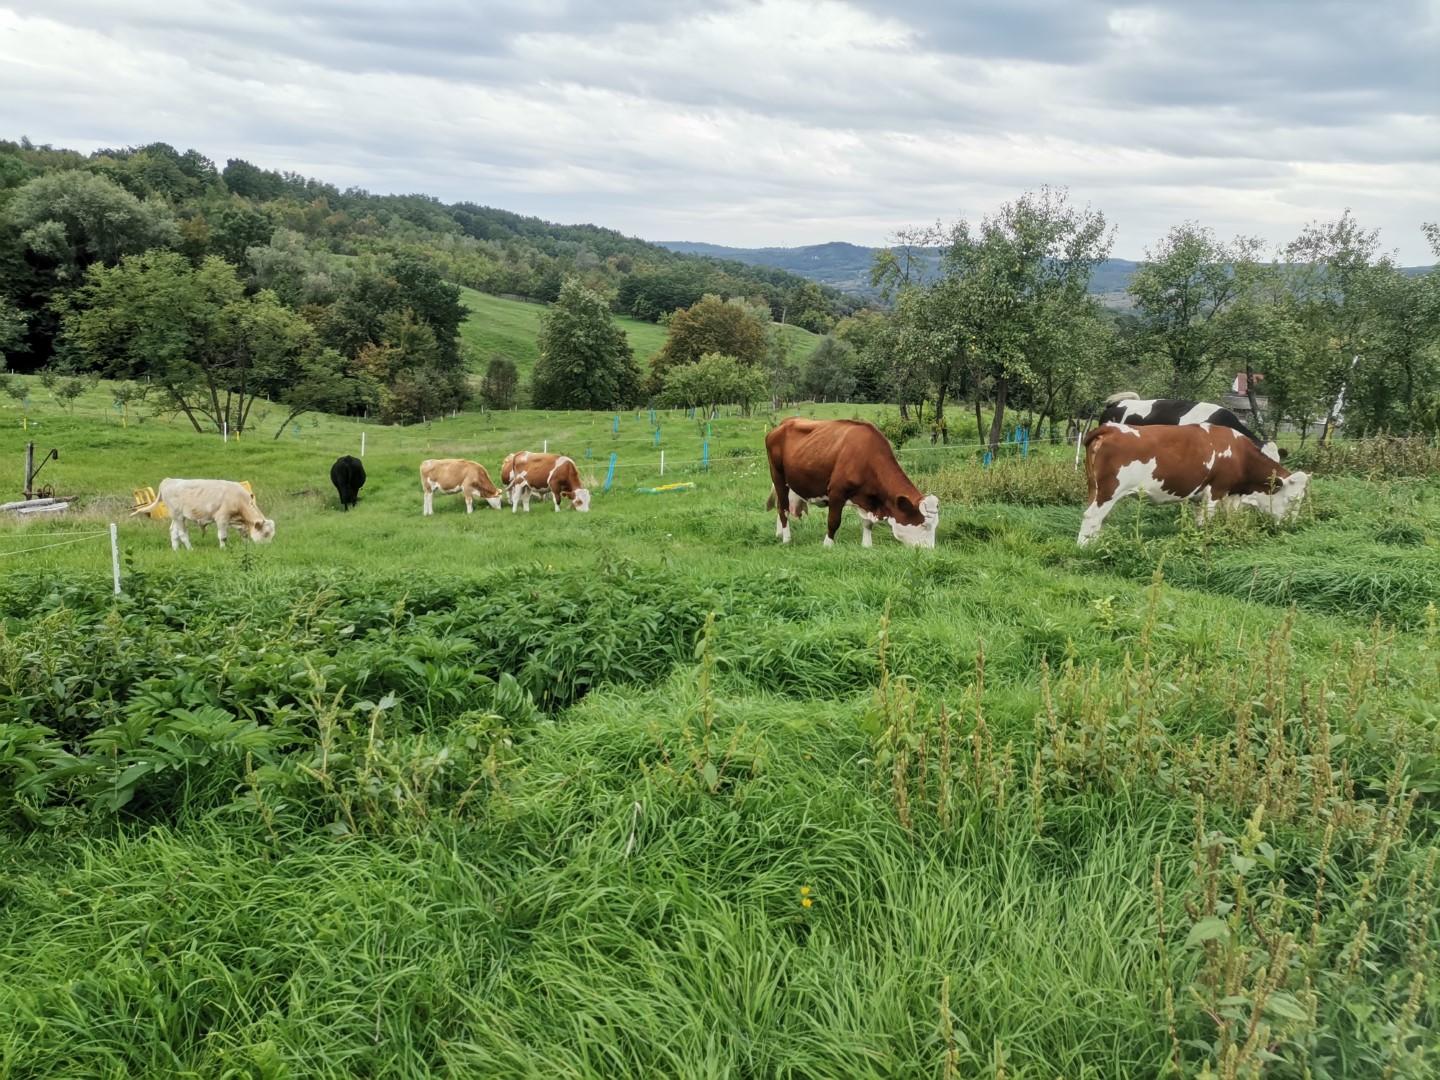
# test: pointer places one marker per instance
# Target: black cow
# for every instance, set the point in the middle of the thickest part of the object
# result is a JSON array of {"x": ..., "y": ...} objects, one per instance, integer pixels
[
  {"x": 1129, "y": 408},
  {"x": 348, "y": 476}
]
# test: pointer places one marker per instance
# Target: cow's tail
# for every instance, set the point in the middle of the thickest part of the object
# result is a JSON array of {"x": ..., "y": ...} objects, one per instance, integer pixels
[
  {"x": 146, "y": 509},
  {"x": 1123, "y": 395}
]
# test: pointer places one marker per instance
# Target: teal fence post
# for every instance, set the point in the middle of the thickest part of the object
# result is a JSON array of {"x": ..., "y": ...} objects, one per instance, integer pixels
[
  {"x": 705, "y": 455},
  {"x": 616, "y": 428},
  {"x": 611, "y": 474},
  {"x": 657, "y": 436}
]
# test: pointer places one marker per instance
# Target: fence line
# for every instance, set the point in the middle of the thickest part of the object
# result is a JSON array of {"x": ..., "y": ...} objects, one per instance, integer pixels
[{"x": 46, "y": 547}]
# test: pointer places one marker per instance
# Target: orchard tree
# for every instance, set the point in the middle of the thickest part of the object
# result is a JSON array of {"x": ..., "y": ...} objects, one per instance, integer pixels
[
  {"x": 585, "y": 359},
  {"x": 730, "y": 327},
  {"x": 714, "y": 380},
  {"x": 1181, "y": 293},
  {"x": 192, "y": 330},
  {"x": 1329, "y": 267},
  {"x": 1013, "y": 289}
]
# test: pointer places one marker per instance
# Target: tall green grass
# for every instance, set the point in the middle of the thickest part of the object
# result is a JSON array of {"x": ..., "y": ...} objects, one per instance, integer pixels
[{"x": 641, "y": 792}]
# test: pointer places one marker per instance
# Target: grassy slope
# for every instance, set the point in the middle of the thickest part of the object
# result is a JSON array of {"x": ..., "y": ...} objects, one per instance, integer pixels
[
  {"x": 508, "y": 328},
  {"x": 600, "y": 912}
]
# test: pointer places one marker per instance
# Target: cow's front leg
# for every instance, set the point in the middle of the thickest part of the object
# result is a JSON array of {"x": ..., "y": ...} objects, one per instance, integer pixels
[
  {"x": 556, "y": 496},
  {"x": 1205, "y": 507},
  {"x": 177, "y": 530},
  {"x": 832, "y": 521},
  {"x": 222, "y": 529},
  {"x": 866, "y": 524}
]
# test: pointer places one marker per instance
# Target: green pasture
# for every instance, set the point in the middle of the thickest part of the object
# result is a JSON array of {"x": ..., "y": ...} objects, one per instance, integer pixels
[
  {"x": 641, "y": 792},
  {"x": 497, "y": 326}
]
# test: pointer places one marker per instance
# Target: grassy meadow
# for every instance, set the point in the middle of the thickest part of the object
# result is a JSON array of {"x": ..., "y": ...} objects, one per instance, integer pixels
[{"x": 641, "y": 793}]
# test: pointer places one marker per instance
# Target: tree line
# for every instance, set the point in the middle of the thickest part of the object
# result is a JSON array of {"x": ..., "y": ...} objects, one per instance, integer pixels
[
  {"x": 223, "y": 287},
  {"x": 217, "y": 288}
]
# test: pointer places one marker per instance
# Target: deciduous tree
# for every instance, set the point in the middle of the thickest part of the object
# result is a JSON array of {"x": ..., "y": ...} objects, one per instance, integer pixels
[{"x": 585, "y": 359}]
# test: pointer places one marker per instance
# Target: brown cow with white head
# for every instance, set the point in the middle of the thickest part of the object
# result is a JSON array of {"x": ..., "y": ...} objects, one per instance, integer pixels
[
  {"x": 832, "y": 462},
  {"x": 1210, "y": 464},
  {"x": 449, "y": 475},
  {"x": 548, "y": 475}
]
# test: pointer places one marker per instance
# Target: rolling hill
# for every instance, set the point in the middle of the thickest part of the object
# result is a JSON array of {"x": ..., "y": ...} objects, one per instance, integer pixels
[{"x": 847, "y": 266}]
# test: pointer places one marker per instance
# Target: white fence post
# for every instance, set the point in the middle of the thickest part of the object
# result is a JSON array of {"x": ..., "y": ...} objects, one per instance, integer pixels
[
  {"x": 662, "y": 462},
  {"x": 362, "y": 444},
  {"x": 115, "y": 555}
]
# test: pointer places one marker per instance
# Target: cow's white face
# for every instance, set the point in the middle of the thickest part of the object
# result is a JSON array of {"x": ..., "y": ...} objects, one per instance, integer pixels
[
  {"x": 920, "y": 535},
  {"x": 581, "y": 499},
  {"x": 1286, "y": 498},
  {"x": 264, "y": 532},
  {"x": 496, "y": 502}
]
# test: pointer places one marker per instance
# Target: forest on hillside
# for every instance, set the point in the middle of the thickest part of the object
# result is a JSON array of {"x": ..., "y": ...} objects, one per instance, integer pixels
[{"x": 220, "y": 286}]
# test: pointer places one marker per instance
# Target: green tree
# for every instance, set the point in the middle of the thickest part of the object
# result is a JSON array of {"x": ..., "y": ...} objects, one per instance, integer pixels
[
  {"x": 12, "y": 327},
  {"x": 1181, "y": 293},
  {"x": 585, "y": 360},
  {"x": 714, "y": 380},
  {"x": 192, "y": 330},
  {"x": 1014, "y": 287},
  {"x": 730, "y": 327},
  {"x": 499, "y": 383},
  {"x": 72, "y": 220},
  {"x": 1329, "y": 266},
  {"x": 829, "y": 371}
]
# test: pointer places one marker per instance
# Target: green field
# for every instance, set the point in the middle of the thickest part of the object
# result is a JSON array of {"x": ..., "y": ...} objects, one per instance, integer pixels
[
  {"x": 500, "y": 327},
  {"x": 641, "y": 793}
]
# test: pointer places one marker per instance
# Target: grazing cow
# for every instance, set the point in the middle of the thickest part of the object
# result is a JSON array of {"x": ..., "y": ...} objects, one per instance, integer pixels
[
  {"x": 449, "y": 475},
  {"x": 549, "y": 475},
  {"x": 206, "y": 501},
  {"x": 1130, "y": 408},
  {"x": 348, "y": 476},
  {"x": 1210, "y": 464},
  {"x": 832, "y": 462}
]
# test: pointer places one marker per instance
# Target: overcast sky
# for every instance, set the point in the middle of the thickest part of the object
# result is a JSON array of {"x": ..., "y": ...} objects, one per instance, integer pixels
[{"x": 773, "y": 122}]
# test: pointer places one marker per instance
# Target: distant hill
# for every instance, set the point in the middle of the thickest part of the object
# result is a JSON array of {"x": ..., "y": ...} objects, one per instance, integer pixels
[{"x": 847, "y": 266}]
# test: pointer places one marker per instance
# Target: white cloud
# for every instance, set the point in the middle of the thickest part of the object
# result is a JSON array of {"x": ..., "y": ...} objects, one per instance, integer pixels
[{"x": 772, "y": 122}]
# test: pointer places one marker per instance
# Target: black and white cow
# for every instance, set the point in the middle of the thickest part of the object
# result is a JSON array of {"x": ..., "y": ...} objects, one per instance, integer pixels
[{"x": 1129, "y": 408}]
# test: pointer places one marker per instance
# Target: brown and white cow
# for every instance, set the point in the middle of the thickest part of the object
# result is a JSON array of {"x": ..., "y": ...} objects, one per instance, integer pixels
[
  {"x": 549, "y": 475},
  {"x": 1210, "y": 464},
  {"x": 449, "y": 475},
  {"x": 222, "y": 502},
  {"x": 832, "y": 462}
]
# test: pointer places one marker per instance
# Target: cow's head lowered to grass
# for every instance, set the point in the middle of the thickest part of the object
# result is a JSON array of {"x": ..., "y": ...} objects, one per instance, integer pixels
[{"x": 923, "y": 534}]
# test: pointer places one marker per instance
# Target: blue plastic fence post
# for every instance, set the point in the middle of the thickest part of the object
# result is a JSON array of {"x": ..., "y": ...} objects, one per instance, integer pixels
[
  {"x": 587, "y": 451},
  {"x": 657, "y": 436},
  {"x": 611, "y": 474},
  {"x": 705, "y": 455},
  {"x": 987, "y": 459},
  {"x": 1025, "y": 446},
  {"x": 616, "y": 428},
  {"x": 652, "y": 417}
]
